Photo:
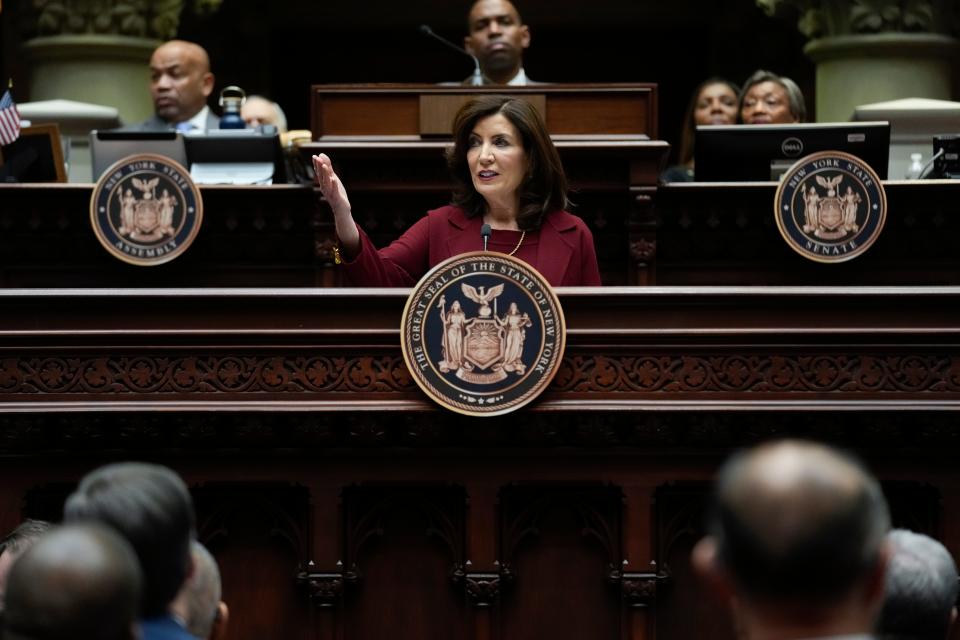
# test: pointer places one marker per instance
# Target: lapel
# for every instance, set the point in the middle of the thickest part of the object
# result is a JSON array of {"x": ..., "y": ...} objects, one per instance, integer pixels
[
  {"x": 557, "y": 246},
  {"x": 554, "y": 251},
  {"x": 463, "y": 233}
]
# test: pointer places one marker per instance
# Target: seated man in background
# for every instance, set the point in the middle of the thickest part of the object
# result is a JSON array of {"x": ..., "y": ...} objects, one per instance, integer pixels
[
  {"x": 180, "y": 83},
  {"x": 257, "y": 110},
  {"x": 797, "y": 540},
  {"x": 198, "y": 604},
  {"x": 78, "y": 581},
  {"x": 148, "y": 505},
  {"x": 921, "y": 597},
  {"x": 15, "y": 544},
  {"x": 497, "y": 37}
]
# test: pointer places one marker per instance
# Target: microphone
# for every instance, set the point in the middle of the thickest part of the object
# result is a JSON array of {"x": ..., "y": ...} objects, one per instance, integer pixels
[
  {"x": 477, "y": 78},
  {"x": 485, "y": 234}
]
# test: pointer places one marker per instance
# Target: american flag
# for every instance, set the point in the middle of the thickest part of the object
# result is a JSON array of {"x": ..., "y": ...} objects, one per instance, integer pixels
[{"x": 9, "y": 120}]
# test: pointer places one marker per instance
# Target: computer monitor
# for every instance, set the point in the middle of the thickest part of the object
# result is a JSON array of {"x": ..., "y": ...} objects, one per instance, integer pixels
[
  {"x": 107, "y": 147},
  {"x": 236, "y": 156},
  {"x": 763, "y": 152}
]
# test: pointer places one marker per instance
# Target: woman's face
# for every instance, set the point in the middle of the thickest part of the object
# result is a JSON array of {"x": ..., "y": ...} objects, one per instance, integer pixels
[
  {"x": 766, "y": 103},
  {"x": 716, "y": 104},
  {"x": 496, "y": 159}
]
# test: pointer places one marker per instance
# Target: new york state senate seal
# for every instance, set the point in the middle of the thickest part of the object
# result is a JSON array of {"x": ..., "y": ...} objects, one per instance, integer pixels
[
  {"x": 145, "y": 210},
  {"x": 483, "y": 334},
  {"x": 830, "y": 206}
]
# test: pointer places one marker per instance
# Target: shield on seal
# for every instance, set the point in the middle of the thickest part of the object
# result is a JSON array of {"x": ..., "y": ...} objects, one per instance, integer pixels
[
  {"x": 147, "y": 215},
  {"x": 831, "y": 213},
  {"x": 483, "y": 347}
]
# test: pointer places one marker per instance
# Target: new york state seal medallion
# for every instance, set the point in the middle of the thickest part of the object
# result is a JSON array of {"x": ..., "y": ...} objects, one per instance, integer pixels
[
  {"x": 830, "y": 206},
  {"x": 146, "y": 210},
  {"x": 483, "y": 334}
]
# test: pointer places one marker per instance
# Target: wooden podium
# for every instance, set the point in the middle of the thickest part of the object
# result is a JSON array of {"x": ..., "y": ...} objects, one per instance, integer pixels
[
  {"x": 341, "y": 504},
  {"x": 387, "y": 143}
]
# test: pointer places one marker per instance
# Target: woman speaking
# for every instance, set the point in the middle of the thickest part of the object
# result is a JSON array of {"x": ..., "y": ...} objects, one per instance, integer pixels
[{"x": 507, "y": 174}]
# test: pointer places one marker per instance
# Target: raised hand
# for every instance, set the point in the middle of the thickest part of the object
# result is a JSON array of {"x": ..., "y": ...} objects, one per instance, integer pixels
[
  {"x": 330, "y": 186},
  {"x": 336, "y": 196}
]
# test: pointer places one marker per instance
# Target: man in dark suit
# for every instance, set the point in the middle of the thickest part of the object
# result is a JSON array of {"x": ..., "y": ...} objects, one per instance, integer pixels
[
  {"x": 797, "y": 542},
  {"x": 149, "y": 506},
  {"x": 180, "y": 83},
  {"x": 497, "y": 37}
]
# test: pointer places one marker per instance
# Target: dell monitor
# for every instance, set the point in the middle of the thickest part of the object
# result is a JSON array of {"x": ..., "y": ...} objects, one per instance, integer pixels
[{"x": 764, "y": 152}]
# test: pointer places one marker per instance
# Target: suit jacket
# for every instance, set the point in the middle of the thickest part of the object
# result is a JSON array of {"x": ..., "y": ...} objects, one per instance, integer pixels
[
  {"x": 564, "y": 253},
  {"x": 156, "y": 123},
  {"x": 164, "y": 628}
]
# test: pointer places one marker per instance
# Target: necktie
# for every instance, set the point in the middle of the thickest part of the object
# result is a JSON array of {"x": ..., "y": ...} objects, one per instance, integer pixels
[{"x": 183, "y": 127}]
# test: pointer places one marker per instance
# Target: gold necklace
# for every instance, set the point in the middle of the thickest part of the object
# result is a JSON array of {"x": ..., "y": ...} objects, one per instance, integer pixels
[{"x": 522, "y": 236}]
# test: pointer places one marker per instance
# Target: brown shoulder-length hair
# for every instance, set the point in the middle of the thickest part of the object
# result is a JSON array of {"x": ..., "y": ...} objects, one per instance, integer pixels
[
  {"x": 689, "y": 135},
  {"x": 544, "y": 188}
]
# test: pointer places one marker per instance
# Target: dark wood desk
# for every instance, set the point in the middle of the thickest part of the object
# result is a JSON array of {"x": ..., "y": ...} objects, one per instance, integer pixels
[
  {"x": 342, "y": 504},
  {"x": 384, "y": 110},
  {"x": 280, "y": 236},
  {"x": 713, "y": 234}
]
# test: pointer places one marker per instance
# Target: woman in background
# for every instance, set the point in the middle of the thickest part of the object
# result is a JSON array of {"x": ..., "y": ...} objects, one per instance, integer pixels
[
  {"x": 713, "y": 102},
  {"x": 771, "y": 99}
]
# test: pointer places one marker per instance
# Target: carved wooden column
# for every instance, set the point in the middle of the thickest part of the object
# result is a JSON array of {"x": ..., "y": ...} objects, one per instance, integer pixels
[
  {"x": 97, "y": 51},
  {"x": 876, "y": 51},
  {"x": 481, "y": 574},
  {"x": 638, "y": 580}
]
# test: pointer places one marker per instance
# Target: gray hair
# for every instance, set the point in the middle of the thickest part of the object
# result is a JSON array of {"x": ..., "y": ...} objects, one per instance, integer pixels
[
  {"x": 921, "y": 588},
  {"x": 798, "y": 108},
  {"x": 203, "y": 592}
]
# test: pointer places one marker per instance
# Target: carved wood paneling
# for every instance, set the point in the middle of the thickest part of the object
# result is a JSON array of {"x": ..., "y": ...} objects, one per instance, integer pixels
[
  {"x": 922, "y": 435},
  {"x": 403, "y": 547},
  {"x": 259, "y": 533},
  {"x": 561, "y": 552},
  {"x": 851, "y": 372}
]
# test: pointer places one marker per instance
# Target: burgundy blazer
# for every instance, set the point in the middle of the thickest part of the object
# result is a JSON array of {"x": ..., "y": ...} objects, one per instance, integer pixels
[{"x": 565, "y": 254}]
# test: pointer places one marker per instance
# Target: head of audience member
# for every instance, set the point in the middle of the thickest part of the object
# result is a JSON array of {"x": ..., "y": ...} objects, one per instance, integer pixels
[
  {"x": 198, "y": 604},
  {"x": 713, "y": 102},
  {"x": 497, "y": 37},
  {"x": 767, "y": 98},
  {"x": 921, "y": 595},
  {"x": 509, "y": 135},
  {"x": 180, "y": 80},
  {"x": 150, "y": 506},
  {"x": 77, "y": 581},
  {"x": 797, "y": 539},
  {"x": 257, "y": 110},
  {"x": 15, "y": 544}
]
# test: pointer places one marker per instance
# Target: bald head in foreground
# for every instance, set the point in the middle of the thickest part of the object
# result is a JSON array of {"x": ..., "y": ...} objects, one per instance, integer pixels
[
  {"x": 797, "y": 540},
  {"x": 78, "y": 581}
]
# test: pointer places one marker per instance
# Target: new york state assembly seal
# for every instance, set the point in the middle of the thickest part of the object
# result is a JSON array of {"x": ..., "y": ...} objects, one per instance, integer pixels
[
  {"x": 483, "y": 334},
  {"x": 830, "y": 206},
  {"x": 146, "y": 210}
]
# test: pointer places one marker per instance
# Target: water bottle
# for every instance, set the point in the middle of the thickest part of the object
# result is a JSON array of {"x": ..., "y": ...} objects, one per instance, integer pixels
[
  {"x": 231, "y": 99},
  {"x": 916, "y": 166}
]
